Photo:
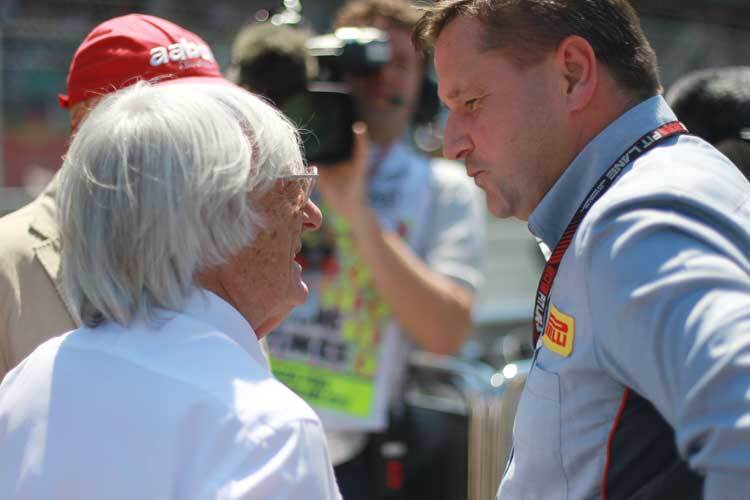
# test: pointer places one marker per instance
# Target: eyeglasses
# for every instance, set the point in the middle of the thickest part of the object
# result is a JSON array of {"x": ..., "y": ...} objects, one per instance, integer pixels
[{"x": 296, "y": 183}]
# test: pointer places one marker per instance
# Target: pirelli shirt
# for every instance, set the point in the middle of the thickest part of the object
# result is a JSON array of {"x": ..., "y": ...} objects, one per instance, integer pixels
[{"x": 641, "y": 387}]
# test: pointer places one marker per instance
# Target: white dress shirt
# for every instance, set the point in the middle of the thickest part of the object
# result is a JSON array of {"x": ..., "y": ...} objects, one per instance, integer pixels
[{"x": 183, "y": 409}]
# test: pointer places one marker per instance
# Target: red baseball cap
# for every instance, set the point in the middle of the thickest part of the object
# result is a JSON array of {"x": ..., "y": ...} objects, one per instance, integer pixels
[{"x": 126, "y": 49}]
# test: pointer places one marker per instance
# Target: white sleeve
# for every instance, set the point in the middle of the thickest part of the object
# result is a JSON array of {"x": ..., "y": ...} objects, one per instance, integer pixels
[{"x": 286, "y": 462}]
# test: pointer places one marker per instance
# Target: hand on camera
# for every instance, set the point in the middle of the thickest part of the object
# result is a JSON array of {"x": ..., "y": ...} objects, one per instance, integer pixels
[{"x": 343, "y": 186}]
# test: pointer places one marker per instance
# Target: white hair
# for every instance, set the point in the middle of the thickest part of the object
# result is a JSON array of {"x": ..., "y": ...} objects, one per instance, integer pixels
[{"x": 154, "y": 189}]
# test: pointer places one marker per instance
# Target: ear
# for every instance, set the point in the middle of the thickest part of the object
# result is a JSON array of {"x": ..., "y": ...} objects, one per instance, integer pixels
[{"x": 576, "y": 61}]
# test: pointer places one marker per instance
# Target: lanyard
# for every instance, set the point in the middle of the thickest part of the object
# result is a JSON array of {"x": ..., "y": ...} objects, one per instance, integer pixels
[{"x": 645, "y": 143}]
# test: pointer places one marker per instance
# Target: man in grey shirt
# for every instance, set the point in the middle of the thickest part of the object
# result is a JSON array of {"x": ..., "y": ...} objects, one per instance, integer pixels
[{"x": 640, "y": 387}]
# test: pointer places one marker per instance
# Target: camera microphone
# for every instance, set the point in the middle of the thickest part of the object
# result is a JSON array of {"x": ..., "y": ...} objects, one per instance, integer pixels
[{"x": 396, "y": 100}]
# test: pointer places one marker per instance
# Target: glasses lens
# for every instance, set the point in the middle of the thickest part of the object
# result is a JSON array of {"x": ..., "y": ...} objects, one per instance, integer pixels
[
  {"x": 310, "y": 187},
  {"x": 300, "y": 185}
]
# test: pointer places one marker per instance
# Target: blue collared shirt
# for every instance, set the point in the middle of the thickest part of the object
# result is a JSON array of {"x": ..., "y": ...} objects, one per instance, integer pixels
[{"x": 652, "y": 295}]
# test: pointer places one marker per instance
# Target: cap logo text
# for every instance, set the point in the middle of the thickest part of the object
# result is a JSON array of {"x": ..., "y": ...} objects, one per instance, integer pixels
[{"x": 180, "y": 51}]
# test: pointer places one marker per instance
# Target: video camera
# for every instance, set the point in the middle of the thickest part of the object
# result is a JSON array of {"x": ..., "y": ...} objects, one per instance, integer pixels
[
  {"x": 307, "y": 78},
  {"x": 325, "y": 110}
]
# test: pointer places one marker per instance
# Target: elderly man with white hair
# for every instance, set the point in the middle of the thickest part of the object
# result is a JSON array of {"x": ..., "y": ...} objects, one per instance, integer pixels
[{"x": 181, "y": 208}]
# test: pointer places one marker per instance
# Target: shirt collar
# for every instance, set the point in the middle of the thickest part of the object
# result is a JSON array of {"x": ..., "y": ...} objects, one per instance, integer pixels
[
  {"x": 550, "y": 218},
  {"x": 209, "y": 308}
]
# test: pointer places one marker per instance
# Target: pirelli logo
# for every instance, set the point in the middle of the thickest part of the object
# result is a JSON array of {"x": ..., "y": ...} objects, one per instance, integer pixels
[{"x": 559, "y": 333}]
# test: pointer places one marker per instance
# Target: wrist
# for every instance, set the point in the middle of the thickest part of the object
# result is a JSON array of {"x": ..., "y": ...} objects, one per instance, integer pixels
[
  {"x": 362, "y": 220},
  {"x": 343, "y": 202}
]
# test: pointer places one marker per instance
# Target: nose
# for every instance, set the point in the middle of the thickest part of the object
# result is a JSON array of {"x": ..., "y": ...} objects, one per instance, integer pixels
[
  {"x": 456, "y": 142},
  {"x": 312, "y": 217}
]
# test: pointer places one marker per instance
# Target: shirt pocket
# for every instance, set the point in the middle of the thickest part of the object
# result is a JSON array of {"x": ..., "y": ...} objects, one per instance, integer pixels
[{"x": 538, "y": 463}]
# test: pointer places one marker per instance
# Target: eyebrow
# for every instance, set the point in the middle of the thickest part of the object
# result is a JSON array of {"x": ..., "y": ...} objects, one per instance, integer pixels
[
  {"x": 463, "y": 88},
  {"x": 455, "y": 93},
  {"x": 451, "y": 95}
]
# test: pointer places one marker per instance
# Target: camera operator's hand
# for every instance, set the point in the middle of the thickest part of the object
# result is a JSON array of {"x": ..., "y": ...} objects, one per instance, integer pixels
[
  {"x": 343, "y": 186},
  {"x": 402, "y": 278}
]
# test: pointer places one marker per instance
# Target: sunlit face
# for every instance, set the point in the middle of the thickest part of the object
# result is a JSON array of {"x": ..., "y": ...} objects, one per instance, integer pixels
[
  {"x": 504, "y": 122},
  {"x": 263, "y": 280},
  {"x": 387, "y": 99}
]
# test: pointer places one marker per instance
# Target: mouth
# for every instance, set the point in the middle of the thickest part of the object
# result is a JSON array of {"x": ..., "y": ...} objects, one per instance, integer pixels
[
  {"x": 472, "y": 169},
  {"x": 473, "y": 173},
  {"x": 296, "y": 257},
  {"x": 476, "y": 176}
]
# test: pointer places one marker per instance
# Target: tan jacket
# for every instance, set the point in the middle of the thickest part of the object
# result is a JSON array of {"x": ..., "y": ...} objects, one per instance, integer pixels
[{"x": 31, "y": 306}]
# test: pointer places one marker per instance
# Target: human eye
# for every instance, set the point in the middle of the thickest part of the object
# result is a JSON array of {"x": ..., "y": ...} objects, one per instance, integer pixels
[
  {"x": 472, "y": 104},
  {"x": 299, "y": 195},
  {"x": 291, "y": 193}
]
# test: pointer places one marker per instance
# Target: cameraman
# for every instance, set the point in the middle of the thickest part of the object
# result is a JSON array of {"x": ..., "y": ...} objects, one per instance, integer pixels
[
  {"x": 395, "y": 265},
  {"x": 432, "y": 303}
]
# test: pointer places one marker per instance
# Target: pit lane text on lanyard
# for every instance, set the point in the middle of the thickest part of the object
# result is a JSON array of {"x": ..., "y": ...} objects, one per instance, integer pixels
[{"x": 645, "y": 143}]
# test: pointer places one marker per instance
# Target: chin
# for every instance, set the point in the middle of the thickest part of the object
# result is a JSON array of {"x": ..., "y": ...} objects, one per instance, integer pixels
[
  {"x": 271, "y": 323},
  {"x": 498, "y": 208}
]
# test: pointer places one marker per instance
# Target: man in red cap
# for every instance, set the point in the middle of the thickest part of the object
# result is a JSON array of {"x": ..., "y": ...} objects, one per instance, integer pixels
[{"x": 116, "y": 54}]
